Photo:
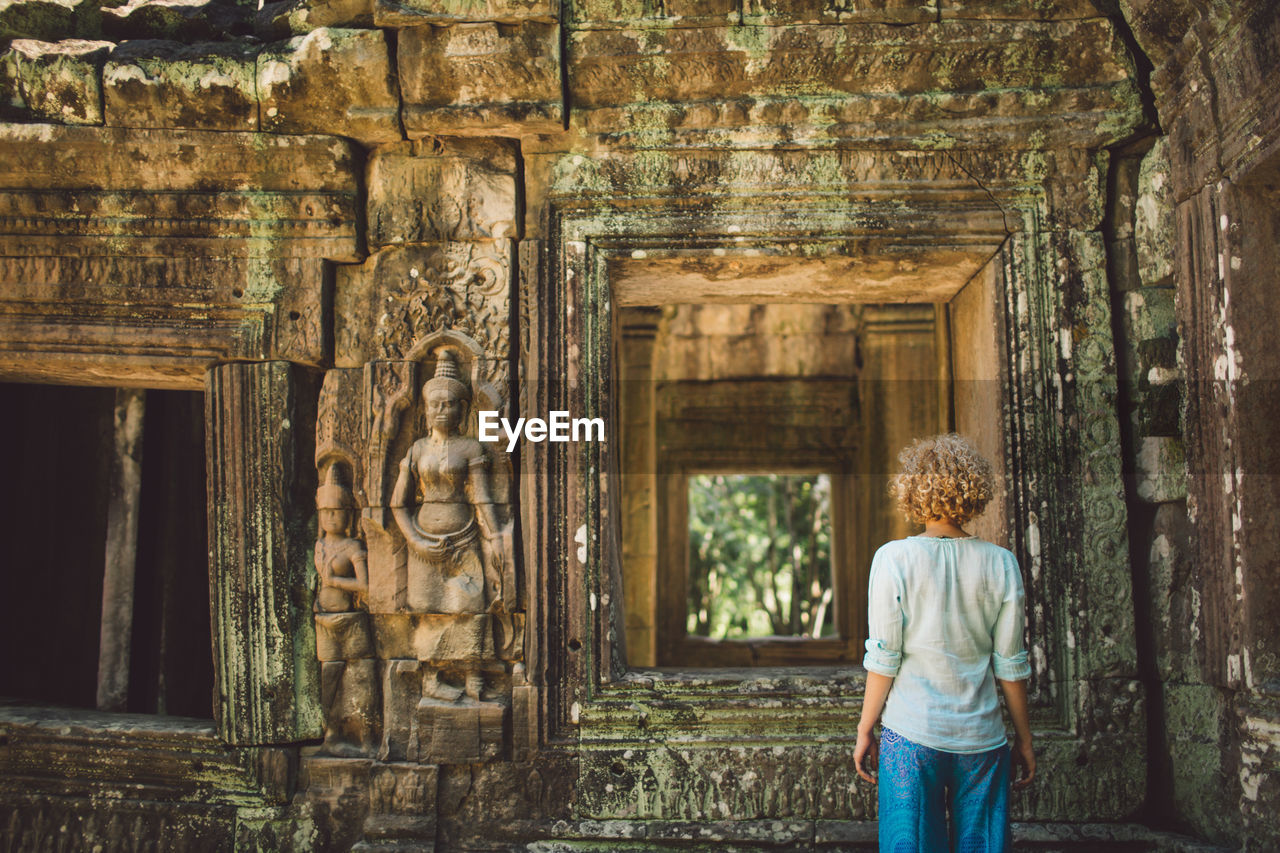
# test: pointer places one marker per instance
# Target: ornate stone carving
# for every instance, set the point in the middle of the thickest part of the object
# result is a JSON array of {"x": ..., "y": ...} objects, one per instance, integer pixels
[
  {"x": 438, "y": 621},
  {"x": 458, "y": 547},
  {"x": 389, "y": 306},
  {"x": 162, "y": 261}
]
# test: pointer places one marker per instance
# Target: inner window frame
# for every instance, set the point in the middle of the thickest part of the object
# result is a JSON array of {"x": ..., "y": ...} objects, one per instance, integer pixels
[{"x": 677, "y": 648}]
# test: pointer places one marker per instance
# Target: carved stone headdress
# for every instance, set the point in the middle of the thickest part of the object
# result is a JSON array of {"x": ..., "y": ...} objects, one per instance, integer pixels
[
  {"x": 448, "y": 377},
  {"x": 333, "y": 494}
]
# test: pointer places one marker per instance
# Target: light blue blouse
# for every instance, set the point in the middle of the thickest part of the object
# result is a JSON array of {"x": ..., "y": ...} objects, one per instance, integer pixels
[{"x": 946, "y": 619}]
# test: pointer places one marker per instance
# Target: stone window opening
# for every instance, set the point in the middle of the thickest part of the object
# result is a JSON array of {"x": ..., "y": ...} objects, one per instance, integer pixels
[
  {"x": 104, "y": 518},
  {"x": 784, "y": 387},
  {"x": 759, "y": 555}
]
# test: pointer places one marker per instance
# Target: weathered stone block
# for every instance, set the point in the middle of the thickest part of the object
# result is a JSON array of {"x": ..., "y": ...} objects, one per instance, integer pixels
[
  {"x": 297, "y": 17},
  {"x": 402, "y": 806},
  {"x": 330, "y": 81},
  {"x": 264, "y": 645},
  {"x": 480, "y": 78},
  {"x": 1161, "y": 469},
  {"x": 182, "y": 20},
  {"x": 781, "y": 12},
  {"x": 401, "y": 690},
  {"x": 1003, "y": 10},
  {"x": 400, "y": 295},
  {"x": 343, "y": 636},
  {"x": 611, "y": 67},
  {"x": 1175, "y": 607},
  {"x": 56, "y": 82},
  {"x": 1204, "y": 779},
  {"x": 442, "y": 637},
  {"x": 150, "y": 83},
  {"x": 412, "y": 13},
  {"x": 441, "y": 189},
  {"x": 50, "y": 20},
  {"x": 1153, "y": 216},
  {"x": 460, "y": 733},
  {"x": 1150, "y": 314},
  {"x": 670, "y": 13}
]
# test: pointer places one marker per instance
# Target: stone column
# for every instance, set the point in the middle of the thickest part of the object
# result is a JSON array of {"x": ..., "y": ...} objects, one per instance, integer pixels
[{"x": 261, "y": 496}]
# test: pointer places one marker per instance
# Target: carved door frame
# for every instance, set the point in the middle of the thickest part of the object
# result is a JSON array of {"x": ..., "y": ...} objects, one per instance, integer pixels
[{"x": 1035, "y": 211}]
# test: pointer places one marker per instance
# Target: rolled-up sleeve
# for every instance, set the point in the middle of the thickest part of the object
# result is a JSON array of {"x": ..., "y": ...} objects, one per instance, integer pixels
[
  {"x": 884, "y": 619},
  {"x": 1008, "y": 654}
]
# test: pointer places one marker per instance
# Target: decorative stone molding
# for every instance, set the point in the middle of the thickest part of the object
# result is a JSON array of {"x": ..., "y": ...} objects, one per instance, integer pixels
[{"x": 163, "y": 263}]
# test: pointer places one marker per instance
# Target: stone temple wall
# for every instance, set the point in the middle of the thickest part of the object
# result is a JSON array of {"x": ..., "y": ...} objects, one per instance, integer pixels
[{"x": 338, "y": 218}]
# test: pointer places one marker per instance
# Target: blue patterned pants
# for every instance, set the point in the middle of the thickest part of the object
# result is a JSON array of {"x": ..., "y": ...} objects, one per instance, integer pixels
[{"x": 919, "y": 786}]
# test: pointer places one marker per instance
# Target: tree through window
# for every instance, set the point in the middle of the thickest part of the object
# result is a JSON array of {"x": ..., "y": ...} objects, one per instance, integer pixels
[{"x": 760, "y": 556}]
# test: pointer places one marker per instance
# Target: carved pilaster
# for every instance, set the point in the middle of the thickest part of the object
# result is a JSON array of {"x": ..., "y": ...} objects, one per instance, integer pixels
[{"x": 261, "y": 498}]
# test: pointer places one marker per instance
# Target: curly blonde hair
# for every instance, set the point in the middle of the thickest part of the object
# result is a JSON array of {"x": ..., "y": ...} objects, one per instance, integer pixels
[{"x": 942, "y": 477}]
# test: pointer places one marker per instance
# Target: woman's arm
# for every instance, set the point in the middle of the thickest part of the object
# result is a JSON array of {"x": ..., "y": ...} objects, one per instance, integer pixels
[
  {"x": 872, "y": 704},
  {"x": 1024, "y": 754},
  {"x": 1012, "y": 669}
]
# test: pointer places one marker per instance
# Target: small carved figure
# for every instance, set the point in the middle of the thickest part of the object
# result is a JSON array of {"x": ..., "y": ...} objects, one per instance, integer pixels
[
  {"x": 340, "y": 560},
  {"x": 443, "y": 506},
  {"x": 348, "y": 682}
]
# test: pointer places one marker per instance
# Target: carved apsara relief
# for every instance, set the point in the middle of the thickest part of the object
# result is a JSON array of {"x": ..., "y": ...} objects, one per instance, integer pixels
[{"x": 431, "y": 572}]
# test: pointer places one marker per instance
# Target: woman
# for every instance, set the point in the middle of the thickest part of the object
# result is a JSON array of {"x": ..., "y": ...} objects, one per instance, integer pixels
[
  {"x": 945, "y": 612},
  {"x": 442, "y": 505}
]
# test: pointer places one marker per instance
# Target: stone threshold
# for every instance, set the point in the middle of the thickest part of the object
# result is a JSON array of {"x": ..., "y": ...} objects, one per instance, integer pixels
[{"x": 819, "y": 836}]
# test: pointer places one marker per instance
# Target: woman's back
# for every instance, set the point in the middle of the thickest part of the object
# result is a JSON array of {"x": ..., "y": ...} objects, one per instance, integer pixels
[{"x": 946, "y": 619}]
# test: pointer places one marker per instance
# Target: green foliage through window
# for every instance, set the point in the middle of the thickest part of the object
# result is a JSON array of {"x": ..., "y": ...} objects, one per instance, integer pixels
[{"x": 760, "y": 556}]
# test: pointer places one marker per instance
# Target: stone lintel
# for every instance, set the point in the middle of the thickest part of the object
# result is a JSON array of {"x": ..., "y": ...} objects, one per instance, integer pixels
[
  {"x": 154, "y": 322},
  {"x": 612, "y": 68},
  {"x": 630, "y": 14},
  {"x": 86, "y": 159}
]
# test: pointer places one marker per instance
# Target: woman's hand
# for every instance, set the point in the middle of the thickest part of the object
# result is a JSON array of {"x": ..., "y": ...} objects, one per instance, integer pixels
[
  {"x": 867, "y": 747},
  {"x": 1024, "y": 763}
]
